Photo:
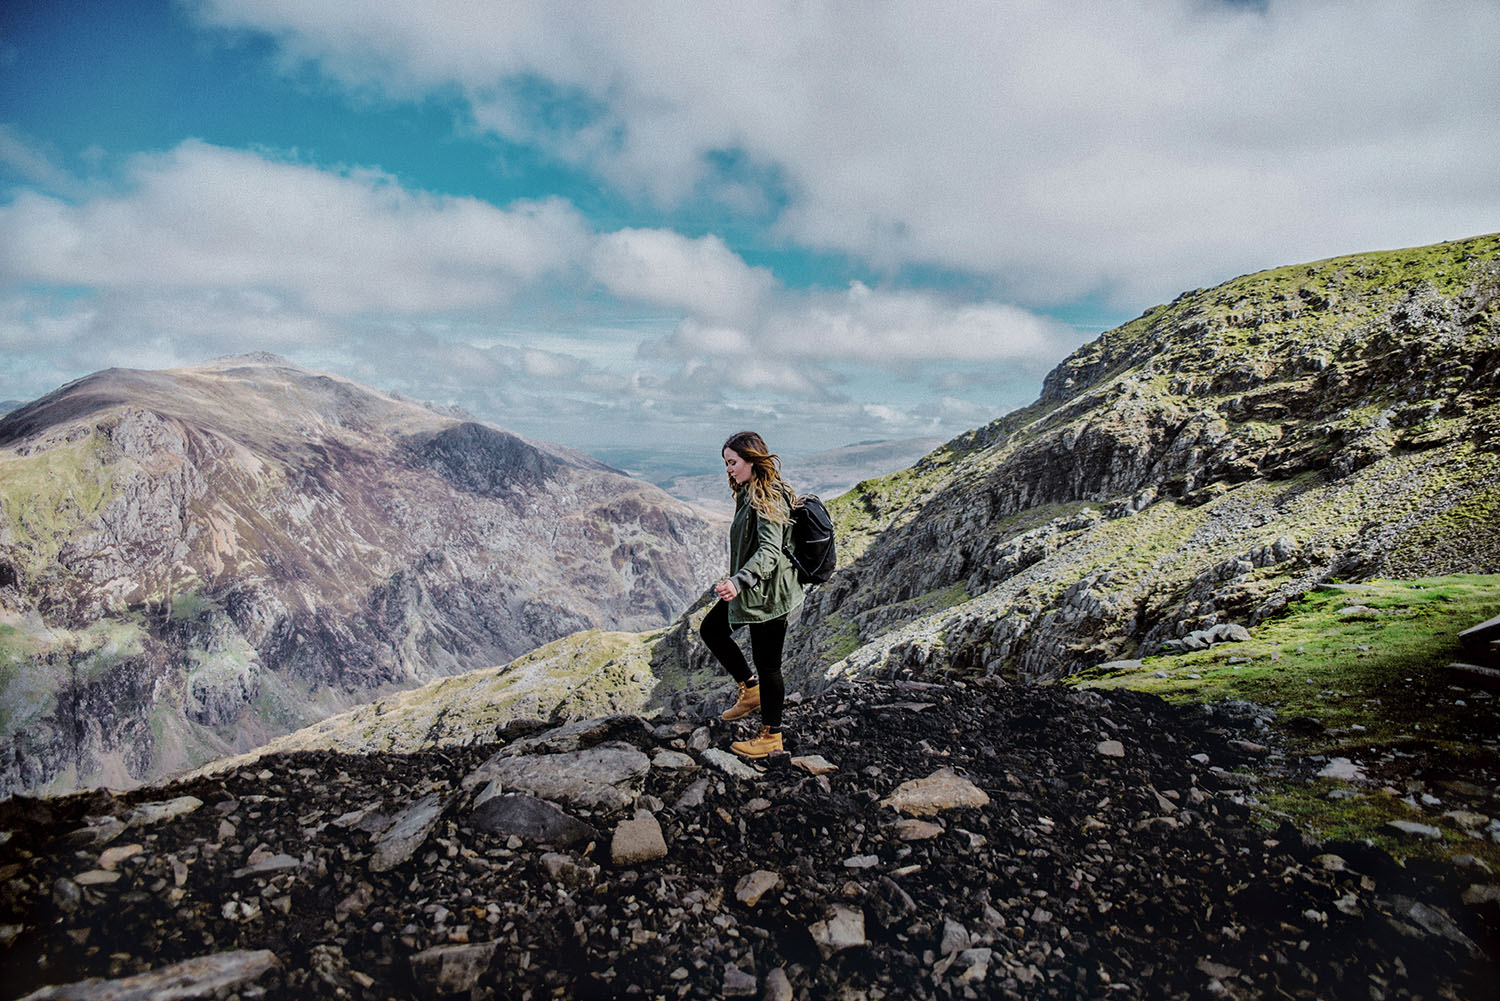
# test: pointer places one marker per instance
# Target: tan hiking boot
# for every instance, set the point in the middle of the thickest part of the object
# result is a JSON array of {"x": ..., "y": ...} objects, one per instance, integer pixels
[
  {"x": 748, "y": 702},
  {"x": 762, "y": 745}
]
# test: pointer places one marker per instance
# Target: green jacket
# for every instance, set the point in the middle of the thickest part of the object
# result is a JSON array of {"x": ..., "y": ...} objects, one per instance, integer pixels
[{"x": 760, "y": 567}]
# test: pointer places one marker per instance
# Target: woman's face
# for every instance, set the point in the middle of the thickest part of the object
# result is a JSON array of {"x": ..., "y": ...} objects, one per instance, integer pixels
[{"x": 739, "y": 470}]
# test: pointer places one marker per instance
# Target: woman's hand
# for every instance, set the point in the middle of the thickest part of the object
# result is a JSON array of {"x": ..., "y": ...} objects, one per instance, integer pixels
[{"x": 726, "y": 590}]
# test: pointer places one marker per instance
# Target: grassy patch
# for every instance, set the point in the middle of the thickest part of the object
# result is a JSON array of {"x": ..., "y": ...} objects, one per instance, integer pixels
[
  {"x": 1356, "y": 671},
  {"x": 46, "y": 496}
]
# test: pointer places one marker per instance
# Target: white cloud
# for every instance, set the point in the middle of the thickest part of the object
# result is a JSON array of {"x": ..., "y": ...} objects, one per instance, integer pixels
[
  {"x": 702, "y": 276},
  {"x": 204, "y": 217},
  {"x": 866, "y": 326},
  {"x": 1136, "y": 147}
]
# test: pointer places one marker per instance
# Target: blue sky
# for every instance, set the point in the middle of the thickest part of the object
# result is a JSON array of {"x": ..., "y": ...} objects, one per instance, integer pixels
[{"x": 630, "y": 226}]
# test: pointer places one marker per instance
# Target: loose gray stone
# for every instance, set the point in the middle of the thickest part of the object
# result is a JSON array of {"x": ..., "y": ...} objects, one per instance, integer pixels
[
  {"x": 1120, "y": 665},
  {"x": 1415, "y": 829},
  {"x": 452, "y": 969},
  {"x": 533, "y": 819},
  {"x": 565, "y": 870},
  {"x": 638, "y": 840},
  {"x": 692, "y": 796},
  {"x": 729, "y": 764},
  {"x": 1434, "y": 922},
  {"x": 578, "y": 735},
  {"x": 200, "y": 977},
  {"x": 955, "y": 937},
  {"x": 1110, "y": 748},
  {"x": 778, "y": 986},
  {"x": 154, "y": 813},
  {"x": 976, "y": 963},
  {"x": 1343, "y": 769},
  {"x": 1481, "y": 893},
  {"x": 96, "y": 877},
  {"x": 266, "y": 866},
  {"x": 103, "y": 832},
  {"x": 843, "y": 928},
  {"x": 673, "y": 760},
  {"x": 407, "y": 832},
  {"x": 738, "y": 983},
  {"x": 942, "y": 790},
  {"x": 910, "y": 829},
  {"x": 814, "y": 764},
  {"x": 751, "y": 888},
  {"x": 596, "y": 776}
]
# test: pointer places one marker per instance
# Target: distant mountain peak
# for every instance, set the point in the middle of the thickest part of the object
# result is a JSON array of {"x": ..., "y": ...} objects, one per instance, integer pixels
[{"x": 251, "y": 358}]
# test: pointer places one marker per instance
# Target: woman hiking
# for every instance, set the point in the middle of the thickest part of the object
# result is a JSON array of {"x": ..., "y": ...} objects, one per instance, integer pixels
[{"x": 760, "y": 592}]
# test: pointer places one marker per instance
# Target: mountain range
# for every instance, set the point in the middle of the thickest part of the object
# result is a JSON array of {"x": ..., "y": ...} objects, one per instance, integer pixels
[
  {"x": 1196, "y": 469},
  {"x": 197, "y": 560}
]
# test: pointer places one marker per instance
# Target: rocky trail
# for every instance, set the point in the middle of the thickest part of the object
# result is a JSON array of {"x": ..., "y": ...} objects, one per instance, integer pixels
[{"x": 979, "y": 841}]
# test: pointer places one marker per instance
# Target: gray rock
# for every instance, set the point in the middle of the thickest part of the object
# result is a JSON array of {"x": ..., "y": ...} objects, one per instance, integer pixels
[
  {"x": 66, "y": 896},
  {"x": 692, "y": 796},
  {"x": 579, "y": 735},
  {"x": 1343, "y": 769},
  {"x": 778, "y": 986},
  {"x": 1414, "y": 829},
  {"x": 814, "y": 764},
  {"x": 673, "y": 760},
  {"x": 843, "y": 928},
  {"x": 738, "y": 983},
  {"x": 955, "y": 937},
  {"x": 266, "y": 866},
  {"x": 976, "y": 965},
  {"x": 637, "y": 840},
  {"x": 96, "y": 877},
  {"x": 757, "y": 884},
  {"x": 729, "y": 764},
  {"x": 911, "y": 829},
  {"x": 533, "y": 819},
  {"x": 566, "y": 871},
  {"x": 942, "y": 790},
  {"x": 155, "y": 813},
  {"x": 1110, "y": 748},
  {"x": 452, "y": 969},
  {"x": 1434, "y": 922},
  {"x": 407, "y": 832},
  {"x": 596, "y": 776},
  {"x": 200, "y": 977},
  {"x": 1477, "y": 894}
]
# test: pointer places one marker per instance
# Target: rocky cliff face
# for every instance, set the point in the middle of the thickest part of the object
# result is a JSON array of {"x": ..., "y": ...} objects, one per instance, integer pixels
[
  {"x": 1197, "y": 466},
  {"x": 194, "y": 561}
]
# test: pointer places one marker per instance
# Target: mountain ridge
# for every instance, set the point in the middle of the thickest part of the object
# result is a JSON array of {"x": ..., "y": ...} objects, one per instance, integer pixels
[
  {"x": 1204, "y": 464},
  {"x": 234, "y": 549}
]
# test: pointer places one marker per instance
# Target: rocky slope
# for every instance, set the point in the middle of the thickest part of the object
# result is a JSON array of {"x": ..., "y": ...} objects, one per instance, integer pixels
[
  {"x": 1197, "y": 466},
  {"x": 921, "y": 841},
  {"x": 193, "y": 561}
]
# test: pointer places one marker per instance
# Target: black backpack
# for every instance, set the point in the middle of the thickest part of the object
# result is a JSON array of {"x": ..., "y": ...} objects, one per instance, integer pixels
[{"x": 812, "y": 548}]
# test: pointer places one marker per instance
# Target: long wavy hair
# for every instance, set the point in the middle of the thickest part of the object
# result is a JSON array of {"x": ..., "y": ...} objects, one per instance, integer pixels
[{"x": 767, "y": 488}]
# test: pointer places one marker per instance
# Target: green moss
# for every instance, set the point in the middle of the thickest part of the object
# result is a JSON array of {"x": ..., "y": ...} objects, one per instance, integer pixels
[
  {"x": 48, "y": 495},
  {"x": 1374, "y": 681}
]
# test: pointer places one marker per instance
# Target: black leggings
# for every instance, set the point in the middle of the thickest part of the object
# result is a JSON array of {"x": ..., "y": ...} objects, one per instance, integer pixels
[{"x": 766, "y": 641}]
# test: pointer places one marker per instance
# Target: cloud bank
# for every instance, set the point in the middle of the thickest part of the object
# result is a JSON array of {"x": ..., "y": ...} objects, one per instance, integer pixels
[{"x": 1129, "y": 148}]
